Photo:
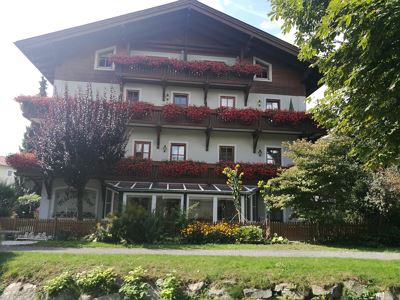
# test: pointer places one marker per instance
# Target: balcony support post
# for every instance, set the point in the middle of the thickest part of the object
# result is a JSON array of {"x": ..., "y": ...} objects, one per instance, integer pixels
[
  {"x": 246, "y": 93},
  {"x": 205, "y": 88},
  {"x": 158, "y": 131},
  {"x": 256, "y": 136},
  {"x": 164, "y": 87},
  {"x": 208, "y": 136},
  {"x": 215, "y": 209},
  {"x": 153, "y": 203}
]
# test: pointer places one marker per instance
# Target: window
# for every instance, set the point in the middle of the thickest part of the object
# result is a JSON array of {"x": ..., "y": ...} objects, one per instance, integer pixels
[
  {"x": 226, "y": 153},
  {"x": 103, "y": 61},
  {"x": 178, "y": 152},
  {"x": 9, "y": 173},
  {"x": 266, "y": 74},
  {"x": 108, "y": 203},
  {"x": 181, "y": 99},
  {"x": 142, "y": 150},
  {"x": 273, "y": 104},
  {"x": 274, "y": 156},
  {"x": 132, "y": 95},
  {"x": 227, "y": 101}
]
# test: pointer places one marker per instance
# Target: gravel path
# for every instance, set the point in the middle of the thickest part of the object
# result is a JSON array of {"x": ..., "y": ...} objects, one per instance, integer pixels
[{"x": 250, "y": 253}]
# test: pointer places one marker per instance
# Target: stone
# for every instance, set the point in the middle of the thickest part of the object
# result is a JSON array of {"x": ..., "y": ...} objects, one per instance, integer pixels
[
  {"x": 215, "y": 292},
  {"x": 388, "y": 295},
  {"x": 85, "y": 297},
  {"x": 355, "y": 287},
  {"x": 281, "y": 286},
  {"x": 153, "y": 293},
  {"x": 64, "y": 297},
  {"x": 19, "y": 291},
  {"x": 293, "y": 293},
  {"x": 196, "y": 287},
  {"x": 249, "y": 292},
  {"x": 262, "y": 294},
  {"x": 115, "y": 296},
  {"x": 336, "y": 291},
  {"x": 318, "y": 290}
]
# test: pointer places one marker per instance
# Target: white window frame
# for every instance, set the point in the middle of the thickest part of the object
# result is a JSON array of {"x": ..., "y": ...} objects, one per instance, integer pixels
[
  {"x": 96, "y": 58},
  {"x": 228, "y": 96},
  {"x": 227, "y": 145},
  {"x": 126, "y": 89},
  {"x": 180, "y": 92},
  {"x": 276, "y": 147},
  {"x": 255, "y": 59}
]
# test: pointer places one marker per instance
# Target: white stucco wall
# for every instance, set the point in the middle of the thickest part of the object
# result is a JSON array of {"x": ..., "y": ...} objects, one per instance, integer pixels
[
  {"x": 196, "y": 140},
  {"x": 47, "y": 204},
  {"x": 7, "y": 174}
]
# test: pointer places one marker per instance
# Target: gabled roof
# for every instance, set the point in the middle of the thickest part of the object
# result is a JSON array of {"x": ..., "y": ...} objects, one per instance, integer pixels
[{"x": 36, "y": 48}]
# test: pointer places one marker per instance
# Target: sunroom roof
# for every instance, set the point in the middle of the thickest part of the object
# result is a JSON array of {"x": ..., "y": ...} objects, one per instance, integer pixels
[{"x": 173, "y": 187}]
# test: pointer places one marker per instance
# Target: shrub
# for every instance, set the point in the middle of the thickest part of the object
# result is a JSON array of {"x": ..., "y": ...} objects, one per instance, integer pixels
[
  {"x": 62, "y": 284},
  {"x": 97, "y": 282},
  {"x": 170, "y": 289},
  {"x": 172, "y": 112},
  {"x": 199, "y": 232},
  {"x": 7, "y": 199},
  {"x": 103, "y": 233},
  {"x": 134, "y": 286},
  {"x": 26, "y": 205},
  {"x": 197, "y": 113},
  {"x": 249, "y": 234},
  {"x": 278, "y": 239}
]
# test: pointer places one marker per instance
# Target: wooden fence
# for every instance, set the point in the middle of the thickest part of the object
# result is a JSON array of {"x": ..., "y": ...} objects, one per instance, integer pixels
[{"x": 292, "y": 231}]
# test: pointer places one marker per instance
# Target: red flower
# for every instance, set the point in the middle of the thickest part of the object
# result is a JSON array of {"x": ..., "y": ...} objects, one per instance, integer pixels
[
  {"x": 34, "y": 106},
  {"x": 249, "y": 116},
  {"x": 172, "y": 112},
  {"x": 186, "y": 168},
  {"x": 286, "y": 116},
  {"x": 141, "y": 110},
  {"x": 252, "y": 171},
  {"x": 22, "y": 160},
  {"x": 132, "y": 166},
  {"x": 227, "y": 114},
  {"x": 197, "y": 113}
]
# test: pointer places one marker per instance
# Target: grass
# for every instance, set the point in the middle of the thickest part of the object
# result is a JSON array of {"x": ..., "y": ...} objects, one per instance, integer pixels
[
  {"x": 247, "y": 271},
  {"x": 291, "y": 246}
]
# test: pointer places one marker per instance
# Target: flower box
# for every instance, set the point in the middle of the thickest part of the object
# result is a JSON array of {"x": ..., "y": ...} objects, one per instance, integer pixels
[
  {"x": 182, "y": 169},
  {"x": 22, "y": 160}
]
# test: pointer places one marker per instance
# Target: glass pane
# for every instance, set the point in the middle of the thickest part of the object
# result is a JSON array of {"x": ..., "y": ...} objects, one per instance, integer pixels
[
  {"x": 146, "y": 148},
  {"x": 181, "y": 150},
  {"x": 138, "y": 147},
  {"x": 175, "y": 150}
]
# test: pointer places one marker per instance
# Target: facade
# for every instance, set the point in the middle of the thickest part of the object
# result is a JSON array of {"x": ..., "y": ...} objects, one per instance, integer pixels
[
  {"x": 6, "y": 172},
  {"x": 153, "y": 56}
]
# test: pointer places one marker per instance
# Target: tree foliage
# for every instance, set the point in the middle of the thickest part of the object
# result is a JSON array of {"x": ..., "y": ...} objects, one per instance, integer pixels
[
  {"x": 43, "y": 87},
  {"x": 80, "y": 137},
  {"x": 325, "y": 183},
  {"x": 357, "y": 48},
  {"x": 26, "y": 205},
  {"x": 7, "y": 199}
]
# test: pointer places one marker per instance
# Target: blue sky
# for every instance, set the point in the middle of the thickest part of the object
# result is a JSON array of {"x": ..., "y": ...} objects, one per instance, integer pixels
[{"x": 21, "y": 19}]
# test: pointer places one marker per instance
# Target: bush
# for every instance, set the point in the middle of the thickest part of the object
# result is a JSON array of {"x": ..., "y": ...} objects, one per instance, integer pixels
[
  {"x": 63, "y": 284},
  {"x": 26, "y": 205},
  {"x": 249, "y": 234},
  {"x": 276, "y": 239},
  {"x": 136, "y": 225},
  {"x": 199, "y": 233},
  {"x": 7, "y": 199},
  {"x": 103, "y": 233},
  {"x": 170, "y": 289},
  {"x": 97, "y": 282},
  {"x": 134, "y": 286}
]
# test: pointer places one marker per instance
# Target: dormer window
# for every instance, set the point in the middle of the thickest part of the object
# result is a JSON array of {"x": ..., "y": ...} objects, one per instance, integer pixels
[
  {"x": 102, "y": 59},
  {"x": 266, "y": 74}
]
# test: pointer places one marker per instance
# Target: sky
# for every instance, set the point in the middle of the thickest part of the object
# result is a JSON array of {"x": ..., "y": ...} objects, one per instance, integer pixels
[{"x": 20, "y": 19}]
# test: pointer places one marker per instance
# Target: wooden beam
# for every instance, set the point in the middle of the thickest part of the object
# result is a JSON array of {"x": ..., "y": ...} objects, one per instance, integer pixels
[
  {"x": 256, "y": 136},
  {"x": 208, "y": 136},
  {"x": 158, "y": 131},
  {"x": 247, "y": 92},
  {"x": 205, "y": 88},
  {"x": 164, "y": 87}
]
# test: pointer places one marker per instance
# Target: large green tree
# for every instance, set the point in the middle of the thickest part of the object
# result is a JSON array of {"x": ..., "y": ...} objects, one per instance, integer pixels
[
  {"x": 355, "y": 44},
  {"x": 324, "y": 184}
]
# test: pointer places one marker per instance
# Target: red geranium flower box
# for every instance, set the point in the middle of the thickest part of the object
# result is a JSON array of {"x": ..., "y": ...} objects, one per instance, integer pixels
[
  {"x": 22, "y": 160},
  {"x": 172, "y": 112},
  {"x": 197, "y": 113},
  {"x": 186, "y": 168},
  {"x": 142, "y": 110},
  {"x": 132, "y": 166},
  {"x": 227, "y": 114},
  {"x": 249, "y": 116}
]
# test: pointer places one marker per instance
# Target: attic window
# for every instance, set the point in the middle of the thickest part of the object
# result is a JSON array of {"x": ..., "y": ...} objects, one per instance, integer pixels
[
  {"x": 102, "y": 61},
  {"x": 266, "y": 74}
]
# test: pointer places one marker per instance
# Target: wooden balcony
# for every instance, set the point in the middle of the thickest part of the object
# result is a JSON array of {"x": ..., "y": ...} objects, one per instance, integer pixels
[{"x": 170, "y": 76}]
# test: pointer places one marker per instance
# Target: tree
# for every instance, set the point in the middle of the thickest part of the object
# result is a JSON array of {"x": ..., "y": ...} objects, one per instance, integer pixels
[
  {"x": 356, "y": 46},
  {"x": 7, "y": 199},
  {"x": 325, "y": 183},
  {"x": 234, "y": 180},
  {"x": 79, "y": 138},
  {"x": 43, "y": 87}
]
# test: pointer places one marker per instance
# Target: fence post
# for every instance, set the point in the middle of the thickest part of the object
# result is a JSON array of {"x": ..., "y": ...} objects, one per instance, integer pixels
[
  {"x": 14, "y": 224},
  {"x": 55, "y": 227}
]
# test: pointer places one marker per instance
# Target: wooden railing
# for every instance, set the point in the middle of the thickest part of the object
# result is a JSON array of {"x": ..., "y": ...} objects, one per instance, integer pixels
[
  {"x": 168, "y": 74},
  {"x": 156, "y": 118}
]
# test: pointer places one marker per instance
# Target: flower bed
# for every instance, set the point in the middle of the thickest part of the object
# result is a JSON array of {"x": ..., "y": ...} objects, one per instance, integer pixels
[
  {"x": 142, "y": 110},
  {"x": 287, "y": 116},
  {"x": 132, "y": 166},
  {"x": 22, "y": 160},
  {"x": 186, "y": 168},
  {"x": 34, "y": 106},
  {"x": 172, "y": 112},
  {"x": 197, "y": 113},
  {"x": 211, "y": 67},
  {"x": 252, "y": 171},
  {"x": 200, "y": 233}
]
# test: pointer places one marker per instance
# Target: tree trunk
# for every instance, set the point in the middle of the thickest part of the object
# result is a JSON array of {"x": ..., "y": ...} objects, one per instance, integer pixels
[{"x": 79, "y": 203}]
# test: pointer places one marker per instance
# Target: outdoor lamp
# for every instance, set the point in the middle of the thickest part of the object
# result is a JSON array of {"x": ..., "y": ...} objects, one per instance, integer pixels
[
  {"x": 259, "y": 152},
  {"x": 164, "y": 148}
]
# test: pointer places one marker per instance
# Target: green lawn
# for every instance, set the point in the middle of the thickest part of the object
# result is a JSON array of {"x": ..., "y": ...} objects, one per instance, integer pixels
[
  {"x": 291, "y": 246},
  {"x": 249, "y": 271}
]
